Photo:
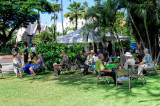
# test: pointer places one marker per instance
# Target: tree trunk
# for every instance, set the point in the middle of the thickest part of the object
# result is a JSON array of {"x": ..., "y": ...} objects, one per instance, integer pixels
[
  {"x": 62, "y": 17},
  {"x": 121, "y": 30},
  {"x": 76, "y": 22},
  {"x": 54, "y": 26},
  {"x": 149, "y": 44}
]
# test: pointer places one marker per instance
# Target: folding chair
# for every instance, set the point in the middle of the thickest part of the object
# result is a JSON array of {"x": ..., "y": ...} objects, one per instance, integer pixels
[
  {"x": 153, "y": 69},
  {"x": 122, "y": 75},
  {"x": 1, "y": 70},
  {"x": 136, "y": 76}
]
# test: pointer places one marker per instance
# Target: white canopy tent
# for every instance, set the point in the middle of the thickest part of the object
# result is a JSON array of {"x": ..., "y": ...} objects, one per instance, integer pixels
[{"x": 76, "y": 37}]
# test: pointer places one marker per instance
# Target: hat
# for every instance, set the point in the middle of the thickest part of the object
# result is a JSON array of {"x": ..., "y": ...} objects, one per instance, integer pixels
[
  {"x": 91, "y": 51},
  {"x": 128, "y": 54}
]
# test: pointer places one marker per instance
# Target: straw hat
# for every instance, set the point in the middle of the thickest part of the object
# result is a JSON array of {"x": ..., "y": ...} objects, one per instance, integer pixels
[{"x": 128, "y": 54}]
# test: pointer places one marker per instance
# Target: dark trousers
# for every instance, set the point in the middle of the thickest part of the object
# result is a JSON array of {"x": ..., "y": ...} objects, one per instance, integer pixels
[
  {"x": 112, "y": 74},
  {"x": 25, "y": 60},
  {"x": 85, "y": 71}
]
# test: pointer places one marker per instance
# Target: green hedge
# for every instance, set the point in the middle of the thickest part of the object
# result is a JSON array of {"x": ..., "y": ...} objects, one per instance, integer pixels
[{"x": 51, "y": 52}]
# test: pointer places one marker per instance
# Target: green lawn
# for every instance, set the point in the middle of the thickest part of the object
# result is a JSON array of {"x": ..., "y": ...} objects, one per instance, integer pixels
[
  {"x": 5, "y": 55},
  {"x": 74, "y": 90}
]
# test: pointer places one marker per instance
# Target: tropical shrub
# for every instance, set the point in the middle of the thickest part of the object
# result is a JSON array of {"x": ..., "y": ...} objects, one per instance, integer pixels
[
  {"x": 52, "y": 51},
  {"x": 125, "y": 43}
]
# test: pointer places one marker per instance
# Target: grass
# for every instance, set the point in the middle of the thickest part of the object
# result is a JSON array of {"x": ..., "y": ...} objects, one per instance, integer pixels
[
  {"x": 5, "y": 55},
  {"x": 74, "y": 90}
]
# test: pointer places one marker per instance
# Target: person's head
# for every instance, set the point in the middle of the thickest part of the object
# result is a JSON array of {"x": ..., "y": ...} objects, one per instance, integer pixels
[
  {"x": 15, "y": 45},
  {"x": 33, "y": 54},
  {"x": 39, "y": 55},
  {"x": 33, "y": 45},
  {"x": 80, "y": 53},
  {"x": 92, "y": 52},
  {"x": 90, "y": 44},
  {"x": 128, "y": 55},
  {"x": 63, "y": 54},
  {"x": 114, "y": 54},
  {"x": 109, "y": 42},
  {"x": 25, "y": 46},
  {"x": 101, "y": 57},
  {"x": 145, "y": 51}
]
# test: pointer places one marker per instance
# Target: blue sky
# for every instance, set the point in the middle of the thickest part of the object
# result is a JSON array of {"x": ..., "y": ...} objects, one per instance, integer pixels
[{"x": 46, "y": 18}]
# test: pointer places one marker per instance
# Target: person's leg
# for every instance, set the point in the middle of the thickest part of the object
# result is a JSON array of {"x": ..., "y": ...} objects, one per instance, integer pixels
[
  {"x": 57, "y": 70},
  {"x": 112, "y": 74},
  {"x": 20, "y": 72},
  {"x": 16, "y": 71},
  {"x": 140, "y": 69},
  {"x": 31, "y": 69},
  {"x": 85, "y": 71}
]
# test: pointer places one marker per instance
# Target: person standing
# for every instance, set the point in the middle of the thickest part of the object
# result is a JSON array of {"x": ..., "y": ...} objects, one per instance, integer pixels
[
  {"x": 95, "y": 47},
  {"x": 100, "y": 47},
  {"x": 33, "y": 48},
  {"x": 25, "y": 52},
  {"x": 90, "y": 47},
  {"x": 15, "y": 48},
  {"x": 109, "y": 48}
]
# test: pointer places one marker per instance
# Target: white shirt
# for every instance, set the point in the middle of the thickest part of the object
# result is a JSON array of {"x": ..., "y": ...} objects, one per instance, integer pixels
[{"x": 33, "y": 49}]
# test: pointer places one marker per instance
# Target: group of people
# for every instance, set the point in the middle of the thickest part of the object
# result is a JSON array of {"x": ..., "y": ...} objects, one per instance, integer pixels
[
  {"x": 30, "y": 66},
  {"x": 116, "y": 60},
  {"x": 92, "y": 60}
]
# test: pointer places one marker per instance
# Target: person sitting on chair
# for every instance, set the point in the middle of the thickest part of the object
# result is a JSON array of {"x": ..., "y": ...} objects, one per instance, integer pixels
[
  {"x": 37, "y": 64},
  {"x": 146, "y": 62},
  {"x": 33, "y": 58},
  {"x": 64, "y": 62},
  {"x": 113, "y": 61},
  {"x": 130, "y": 62},
  {"x": 81, "y": 63},
  {"x": 101, "y": 69}
]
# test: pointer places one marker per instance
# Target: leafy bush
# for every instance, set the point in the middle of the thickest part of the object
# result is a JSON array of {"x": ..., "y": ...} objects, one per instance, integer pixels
[
  {"x": 125, "y": 43},
  {"x": 51, "y": 52}
]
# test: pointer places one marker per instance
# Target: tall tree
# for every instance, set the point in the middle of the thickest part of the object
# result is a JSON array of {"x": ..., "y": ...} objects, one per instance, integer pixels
[
  {"x": 63, "y": 31},
  {"x": 76, "y": 12},
  {"x": 56, "y": 8},
  {"x": 121, "y": 20},
  {"x": 16, "y": 13}
]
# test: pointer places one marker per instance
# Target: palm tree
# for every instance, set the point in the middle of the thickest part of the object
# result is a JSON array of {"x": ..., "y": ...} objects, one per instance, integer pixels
[
  {"x": 102, "y": 17},
  {"x": 55, "y": 8},
  {"x": 76, "y": 12},
  {"x": 120, "y": 21}
]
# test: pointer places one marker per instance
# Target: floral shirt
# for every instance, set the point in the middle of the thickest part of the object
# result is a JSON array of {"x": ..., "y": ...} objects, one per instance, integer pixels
[{"x": 148, "y": 60}]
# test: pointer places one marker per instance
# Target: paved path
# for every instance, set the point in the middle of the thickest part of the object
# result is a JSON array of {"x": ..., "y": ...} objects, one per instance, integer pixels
[{"x": 7, "y": 66}]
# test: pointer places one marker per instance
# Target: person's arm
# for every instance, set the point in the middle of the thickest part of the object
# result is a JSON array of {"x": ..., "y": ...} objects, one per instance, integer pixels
[
  {"x": 105, "y": 70},
  {"x": 88, "y": 58},
  {"x": 116, "y": 61},
  {"x": 93, "y": 62},
  {"x": 110, "y": 59},
  {"x": 143, "y": 62},
  {"x": 38, "y": 61}
]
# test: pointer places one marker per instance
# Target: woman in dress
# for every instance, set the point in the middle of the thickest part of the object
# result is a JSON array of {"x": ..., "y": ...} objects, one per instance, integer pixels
[
  {"x": 113, "y": 61},
  {"x": 37, "y": 64},
  {"x": 33, "y": 58}
]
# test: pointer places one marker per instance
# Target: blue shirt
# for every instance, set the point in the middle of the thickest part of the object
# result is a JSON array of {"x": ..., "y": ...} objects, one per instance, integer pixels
[{"x": 148, "y": 60}]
